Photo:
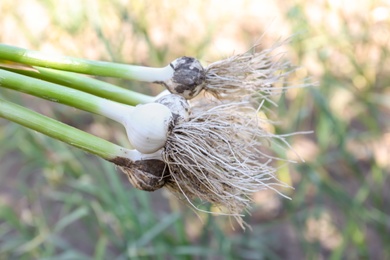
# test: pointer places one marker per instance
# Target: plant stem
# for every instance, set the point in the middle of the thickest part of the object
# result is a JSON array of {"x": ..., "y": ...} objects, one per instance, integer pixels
[
  {"x": 61, "y": 131},
  {"x": 84, "y": 66},
  {"x": 64, "y": 95},
  {"x": 87, "y": 84}
]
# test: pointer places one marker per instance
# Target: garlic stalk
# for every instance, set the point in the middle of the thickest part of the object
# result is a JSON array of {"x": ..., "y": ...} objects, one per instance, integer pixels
[
  {"x": 146, "y": 125},
  {"x": 145, "y": 171},
  {"x": 184, "y": 76},
  {"x": 100, "y": 68},
  {"x": 82, "y": 82}
]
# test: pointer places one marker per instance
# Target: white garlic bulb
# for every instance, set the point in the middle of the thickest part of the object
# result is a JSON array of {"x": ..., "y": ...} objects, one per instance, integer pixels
[{"x": 147, "y": 127}]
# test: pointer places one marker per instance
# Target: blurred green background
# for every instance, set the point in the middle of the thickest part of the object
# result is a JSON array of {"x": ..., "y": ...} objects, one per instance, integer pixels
[{"x": 57, "y": 202}]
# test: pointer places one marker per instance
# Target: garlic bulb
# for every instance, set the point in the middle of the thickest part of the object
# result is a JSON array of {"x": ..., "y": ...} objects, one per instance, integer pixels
[
  {"x": 188, "y": 77},
  {"x": 178, "y": 105},
  {"x": 147, "y": 127}
]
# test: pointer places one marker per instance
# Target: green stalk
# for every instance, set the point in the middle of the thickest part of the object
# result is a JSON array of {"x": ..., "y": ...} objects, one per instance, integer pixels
[
  {"x": 61, "y": 131},
  {"x": 108, "y": 69},
  {"x": 87, "y": 84},
  {"x": 96, "y": 87},
  {"x": 64, "y": 95}
]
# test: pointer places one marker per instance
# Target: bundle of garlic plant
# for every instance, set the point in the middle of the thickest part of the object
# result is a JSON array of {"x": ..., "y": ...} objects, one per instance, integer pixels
[{"x": 213, "y": 147}]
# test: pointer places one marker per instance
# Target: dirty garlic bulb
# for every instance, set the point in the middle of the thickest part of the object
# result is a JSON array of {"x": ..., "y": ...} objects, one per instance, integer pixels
[
  {"x": 178, "y": 105},
  {"x": 147, "y": 127},
  {"x": 188, "y": 77}
]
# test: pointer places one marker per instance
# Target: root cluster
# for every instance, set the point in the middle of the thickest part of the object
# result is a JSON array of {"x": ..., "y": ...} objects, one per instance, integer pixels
[
  {"x": 251, "y": 74},
  {"x": 220, "y": 156}
]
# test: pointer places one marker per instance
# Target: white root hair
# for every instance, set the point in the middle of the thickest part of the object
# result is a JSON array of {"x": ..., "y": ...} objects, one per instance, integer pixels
[
  {"x": 220, "y": 156},
  {"x": 251, "y": 74}
]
